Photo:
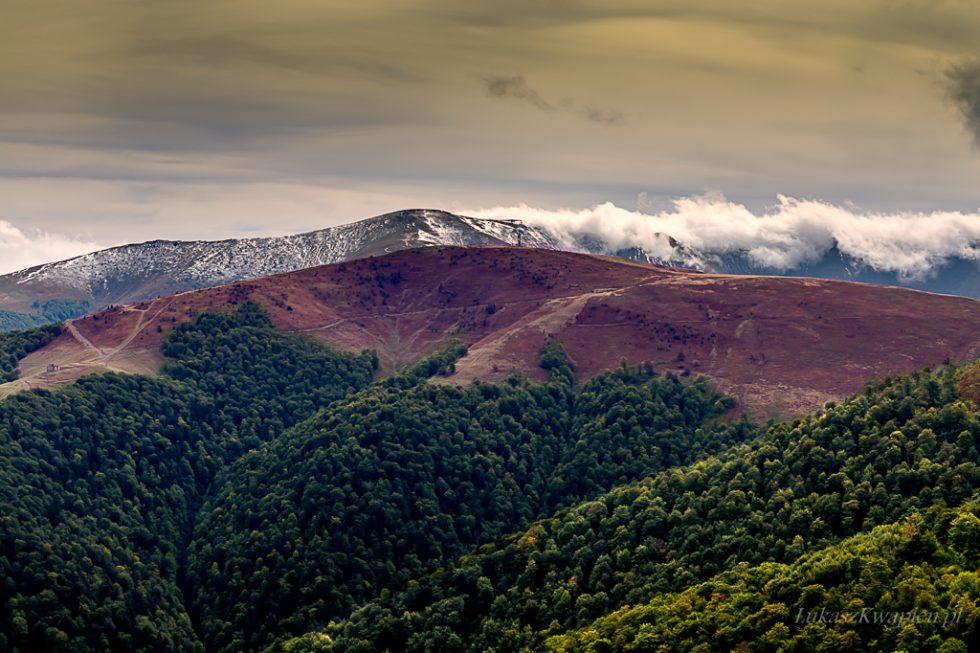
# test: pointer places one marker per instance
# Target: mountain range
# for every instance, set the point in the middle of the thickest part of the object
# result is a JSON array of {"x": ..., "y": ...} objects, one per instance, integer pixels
[{"x": 66, "y": 289}]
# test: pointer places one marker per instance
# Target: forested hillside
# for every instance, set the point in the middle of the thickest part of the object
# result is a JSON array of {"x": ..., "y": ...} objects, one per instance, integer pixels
[
  {"x": 100, "y": 481},
  {"x": 48, "y": 312},
  {"x": 909, "y": 586},
  {"x": 128, "y": 525},
  {"x": 14, "y": 346},
  {"x": 394, "y": 481},
  {"x": 902, "y": 446},
  {"x": 267, "y": 493}
]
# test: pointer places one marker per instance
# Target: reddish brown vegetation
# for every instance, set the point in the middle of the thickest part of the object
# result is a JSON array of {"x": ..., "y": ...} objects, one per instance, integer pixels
[{"x": 783, "y": 346}]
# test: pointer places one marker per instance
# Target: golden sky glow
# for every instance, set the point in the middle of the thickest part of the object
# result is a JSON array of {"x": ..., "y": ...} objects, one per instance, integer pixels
[{"x": 125, "y": 119}]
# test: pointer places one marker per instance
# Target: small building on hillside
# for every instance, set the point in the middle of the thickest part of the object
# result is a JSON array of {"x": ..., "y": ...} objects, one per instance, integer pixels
[{"x": 53, "y": 368}]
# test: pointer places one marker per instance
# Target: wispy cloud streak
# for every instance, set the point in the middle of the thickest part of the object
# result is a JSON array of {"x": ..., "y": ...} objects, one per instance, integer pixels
[
  {"x": 516, "y": 87},
  {"x": 964, "y": 90}
]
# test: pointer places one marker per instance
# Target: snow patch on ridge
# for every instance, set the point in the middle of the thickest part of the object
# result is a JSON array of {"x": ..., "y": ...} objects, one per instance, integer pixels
[{"x": 197, "y": 264}]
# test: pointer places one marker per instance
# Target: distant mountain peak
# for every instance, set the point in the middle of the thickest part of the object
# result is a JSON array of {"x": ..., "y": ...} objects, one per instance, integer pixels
[{"x": 130, "y": 273}]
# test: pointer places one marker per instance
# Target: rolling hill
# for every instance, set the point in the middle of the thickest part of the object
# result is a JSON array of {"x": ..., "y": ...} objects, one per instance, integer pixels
[{"x": 782, "y": 346}]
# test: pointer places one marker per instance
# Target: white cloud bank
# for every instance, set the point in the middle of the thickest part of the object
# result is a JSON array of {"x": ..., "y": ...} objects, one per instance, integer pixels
[
  {"x": 20, "y": 249},
  {"x": 794, "y": 232}
]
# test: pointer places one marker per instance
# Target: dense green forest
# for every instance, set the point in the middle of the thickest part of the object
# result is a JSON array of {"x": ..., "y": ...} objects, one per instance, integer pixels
[
  {"x": 14, "y": 321},
  {"x": 16, "y": 345},
  {"x": 100, "y": 481},
  {"x": 267, "y": 493},
  {"x": 899, "y": 447},
  {"x": 910, "y": 586},
  {"x": 393, "y": 481},
  {"x": 53, "y": 310}
]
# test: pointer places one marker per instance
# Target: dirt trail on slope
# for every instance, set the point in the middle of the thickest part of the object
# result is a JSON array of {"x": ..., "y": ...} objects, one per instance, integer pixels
[
  {"x": 85, "y": 342},
  {"x": 489, "y": 357},
  {"x": 74, "y": 354}
]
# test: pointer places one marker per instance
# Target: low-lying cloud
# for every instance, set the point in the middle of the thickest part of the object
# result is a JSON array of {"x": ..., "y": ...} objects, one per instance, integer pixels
[
  {"x": 793, "y": 233},
  {"x": 20, "y": 250}
]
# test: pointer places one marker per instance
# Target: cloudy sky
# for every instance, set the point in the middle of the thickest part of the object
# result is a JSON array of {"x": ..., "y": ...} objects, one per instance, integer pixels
[{"x": 123, "y": 121}]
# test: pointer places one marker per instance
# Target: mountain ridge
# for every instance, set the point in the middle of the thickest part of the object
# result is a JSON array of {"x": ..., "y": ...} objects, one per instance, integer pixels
[
  {"x": 133, "y": 272},
  {"x": 55, "y": 291},
  {"x": 781, "y": 345}
]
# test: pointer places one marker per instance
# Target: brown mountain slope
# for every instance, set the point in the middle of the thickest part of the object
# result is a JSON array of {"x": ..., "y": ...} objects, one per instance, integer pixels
[{"x": 783, "y": 346}]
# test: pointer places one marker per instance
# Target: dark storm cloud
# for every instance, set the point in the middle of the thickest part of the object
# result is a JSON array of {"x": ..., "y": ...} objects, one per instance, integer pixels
[
  {"x": 964, "y": 89},
  {"x": 516, "y": 87}
]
